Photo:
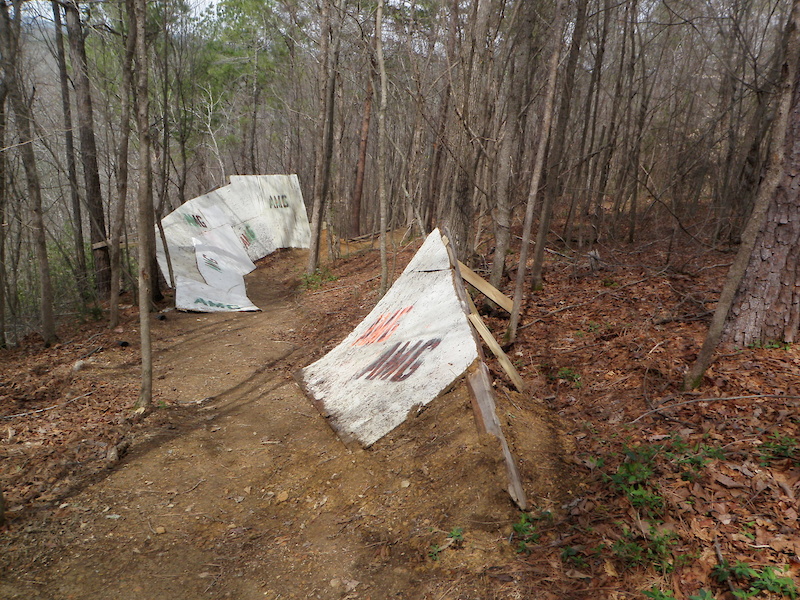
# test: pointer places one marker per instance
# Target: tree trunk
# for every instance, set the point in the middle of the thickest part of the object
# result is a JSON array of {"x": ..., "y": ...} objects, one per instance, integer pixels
[
  {"x": 505, "y": 157},
  {"x": 72, "y": 172},
  {"x": 122, "y": 175},
  {"x": 322, "y": 171},
  {"x": 767, "y": 304},
  {"x": 91, "y": 171},
  {"x": 557, "y": 160},
  {"x": 761, "y": 296},
  {"x": 361, "y": 165},
  {"x": 547, "y": 116},
  {"x": 3, "y": 228},
  {"x": 9, "y": 38},
  {"x": 144, "y": 198},
  {"x": 384, "y": 212}
]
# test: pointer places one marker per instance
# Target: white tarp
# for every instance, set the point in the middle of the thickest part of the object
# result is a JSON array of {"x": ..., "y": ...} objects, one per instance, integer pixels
[
  {"x": 409, "y": 349},
  {"x": 214, "y": 238}
]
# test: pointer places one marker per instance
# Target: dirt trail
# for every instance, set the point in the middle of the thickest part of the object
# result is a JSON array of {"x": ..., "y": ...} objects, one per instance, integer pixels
[{"x": 243, "y": 491}]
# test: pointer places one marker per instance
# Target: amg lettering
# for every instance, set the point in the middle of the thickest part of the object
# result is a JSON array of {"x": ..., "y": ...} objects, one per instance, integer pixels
[
  {"x": 399, "y": 362},
  {"x": 278, "y": 201},
  {"x": 382, "y": 328},
  {"x": 211, "y": 303}
]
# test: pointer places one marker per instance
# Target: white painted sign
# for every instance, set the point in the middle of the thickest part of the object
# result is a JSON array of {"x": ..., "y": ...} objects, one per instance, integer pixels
[
  {"x": 213, "y": 239},
  {"x": 409, "y": 349}
]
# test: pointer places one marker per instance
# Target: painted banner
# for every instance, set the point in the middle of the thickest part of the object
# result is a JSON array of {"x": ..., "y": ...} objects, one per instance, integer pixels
[
  {"x": 213, "y": 239},
  {"x": 409, "y": 349}
]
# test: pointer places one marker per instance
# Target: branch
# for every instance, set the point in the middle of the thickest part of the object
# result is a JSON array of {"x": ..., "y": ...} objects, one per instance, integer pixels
[
  {"x": 695, "y": 400},
  {"x": 41, "y": 410}
]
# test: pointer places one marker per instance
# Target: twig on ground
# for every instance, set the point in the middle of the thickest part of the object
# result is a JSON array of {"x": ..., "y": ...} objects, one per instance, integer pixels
[
  {"x": 41, "y": 410},
  {"x": 721, "y": 561},
  {"x": 696, "y": 400},
  {"x": 194, "y": 487}
]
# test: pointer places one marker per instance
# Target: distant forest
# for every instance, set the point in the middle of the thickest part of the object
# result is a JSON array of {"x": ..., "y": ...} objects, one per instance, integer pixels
[{"x": 645, "y": 117}]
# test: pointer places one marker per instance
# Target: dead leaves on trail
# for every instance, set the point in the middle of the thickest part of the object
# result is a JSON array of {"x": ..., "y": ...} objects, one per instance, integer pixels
[{"x": 62, "y": 410}]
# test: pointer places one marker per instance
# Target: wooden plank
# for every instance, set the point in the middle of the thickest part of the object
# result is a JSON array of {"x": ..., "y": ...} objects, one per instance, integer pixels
[
  {"x": 502, "y": 357},
  {"x": 486, "y": 288},
  {"x": 480, "y": 387}
]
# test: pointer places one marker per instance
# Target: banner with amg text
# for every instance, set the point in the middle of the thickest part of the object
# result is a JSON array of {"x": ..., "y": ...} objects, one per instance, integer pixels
[
  {"x": 212, "y": 240},
  {"x": 409, "y": 349}
]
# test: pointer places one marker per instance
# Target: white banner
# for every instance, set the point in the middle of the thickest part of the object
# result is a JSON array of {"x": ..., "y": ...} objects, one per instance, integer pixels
[
  {"x": 213, "y": 239},
  {"x": 409, "y": 349}
]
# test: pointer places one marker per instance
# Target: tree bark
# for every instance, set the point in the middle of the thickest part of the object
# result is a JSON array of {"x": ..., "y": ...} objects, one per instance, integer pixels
[
  {"x": 9, "y": 38},
  {"x": 547, "y": 116},
  {"x": 753, "y": 304},
  {"x": 122, "y": 175},
  {"x": 72, "y": 172},
  {"x": 144, "y": 198},
  {"x": 556, "y": 160},
  {"x": 384, "y": 211},
  {"x": 322, "y": 171},
  {"x": 91, "y": 171},
  {"x": 361, "y": 165},
  {"x": 3, "y": 228}
]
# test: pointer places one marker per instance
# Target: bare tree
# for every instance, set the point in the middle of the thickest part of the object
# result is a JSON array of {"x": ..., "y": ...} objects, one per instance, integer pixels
[
  {"x": 122, "y": 173},
  {"x": 91, "y": 170},
  {"x": 144, "y": 198},
  {"x": 69, "y": 144},
  {"x": 761, "y": 296},
  {"x": 330, "y": 33},
  {"x": 382, "y": 146},
  {"x": 361, "y": 165},
  {"x": 556, "y": 158},
  {"x": 547, "y": 117},
  {"x": 10, "y": 26}
]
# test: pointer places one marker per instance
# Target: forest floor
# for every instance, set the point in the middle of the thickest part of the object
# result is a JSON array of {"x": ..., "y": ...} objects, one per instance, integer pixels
[{"x": 235, "y": 487}]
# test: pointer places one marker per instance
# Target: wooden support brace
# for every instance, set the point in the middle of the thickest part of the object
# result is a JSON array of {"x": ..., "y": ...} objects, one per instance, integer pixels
[
  {"x": 483, "y": 286},
  {"x": 480, "y": 386},
  {"x": 502, "y": 357}
]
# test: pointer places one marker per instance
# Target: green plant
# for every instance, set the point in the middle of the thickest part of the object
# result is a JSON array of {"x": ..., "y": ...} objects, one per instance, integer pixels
[
  {"x": 702, "y": 595},
  {"x": 434, "y": 551},
  {"x": 595, "y": 462},
  {"x": 573, "y": 556},
  {"x": 568, "y": 374},
  {"x": 755, "y": 582},
  {"x": 694, "y": 459},
  {"x": 769, "y": 581},
  {"x": 312, "y": 281},
  {"x": 657, "y": 594},
  {"x": 655, "y": 549},
  {"x": 637, "y": 467},
  {"x": 778, "y": 448},
  {"x": 771, "y": 345},
  {"x": 746, "y": 533},
  {"x": 456, "y": 534},
  {"x": 641, "y": 497},
  {"x": 525, "y": 532}
]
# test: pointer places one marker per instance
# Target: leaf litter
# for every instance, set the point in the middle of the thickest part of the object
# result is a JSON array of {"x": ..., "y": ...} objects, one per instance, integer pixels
[{"x": 647, "y": 488}]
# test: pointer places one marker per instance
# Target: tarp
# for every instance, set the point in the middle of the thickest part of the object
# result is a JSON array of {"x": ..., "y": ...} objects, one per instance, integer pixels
[
  {"x": 213, "y": 239},
  {"x": 411, "y": 347}
]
